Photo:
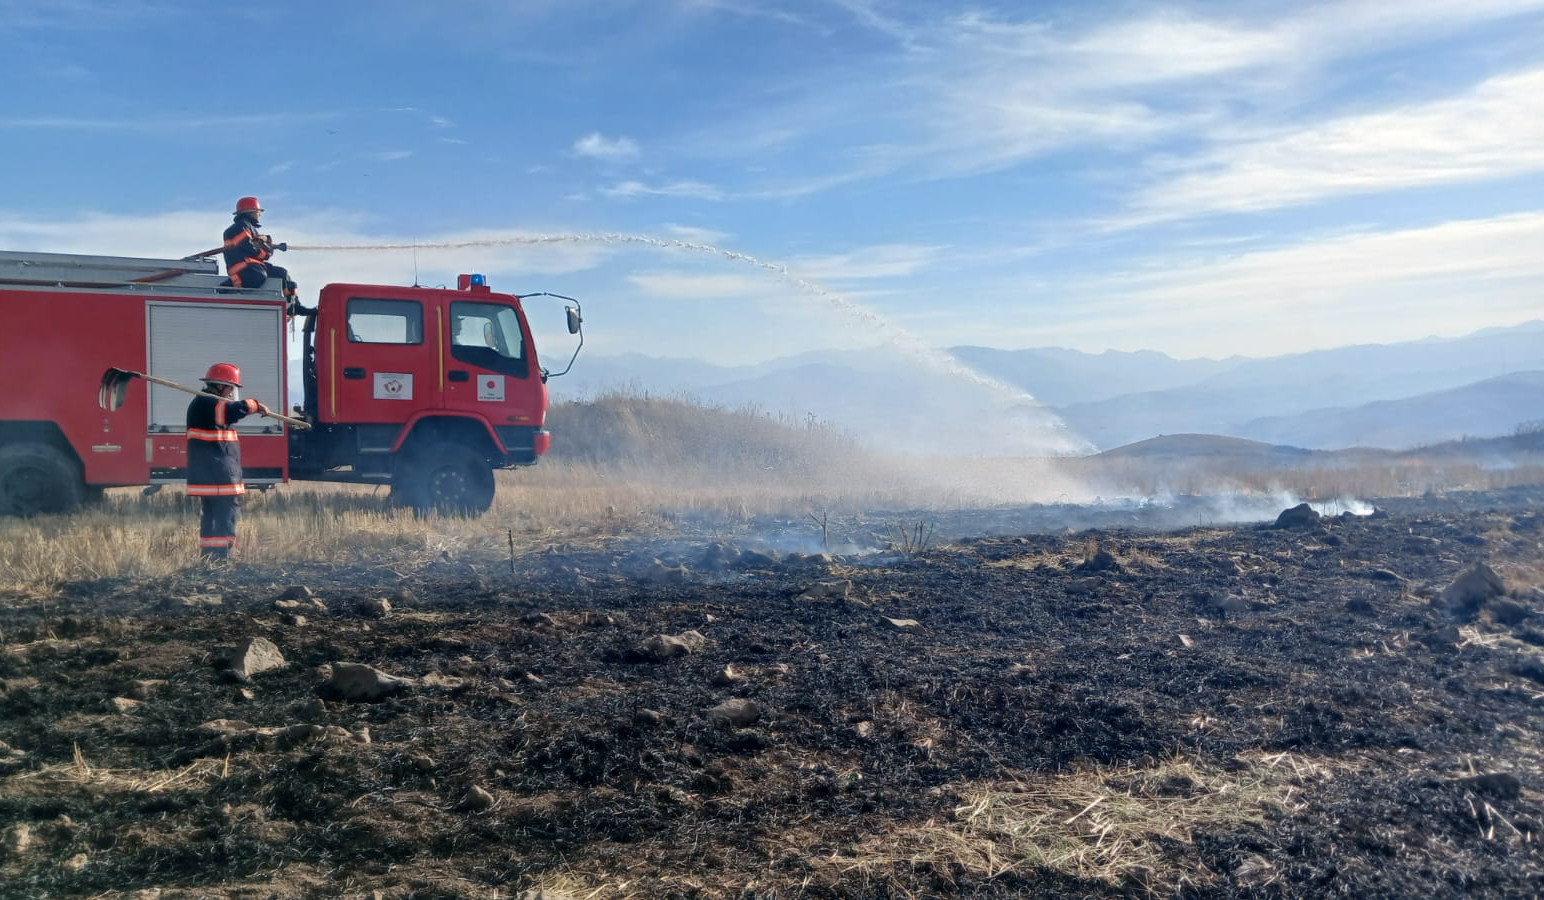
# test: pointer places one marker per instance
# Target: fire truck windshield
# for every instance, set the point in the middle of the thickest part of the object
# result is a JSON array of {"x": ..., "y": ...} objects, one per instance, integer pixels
[{"x": 488, "y": 335}]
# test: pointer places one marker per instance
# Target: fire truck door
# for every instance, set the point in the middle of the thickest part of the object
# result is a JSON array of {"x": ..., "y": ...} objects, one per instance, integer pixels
[
  {"x": 489, "y": 370},
  {"x": 383, "y": 362}
]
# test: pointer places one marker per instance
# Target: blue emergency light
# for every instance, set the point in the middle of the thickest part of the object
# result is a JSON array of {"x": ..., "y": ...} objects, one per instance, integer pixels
[{"x": 478, "y": 280}]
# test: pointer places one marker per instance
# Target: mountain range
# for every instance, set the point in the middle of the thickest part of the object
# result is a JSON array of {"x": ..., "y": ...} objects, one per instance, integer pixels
[{"x": 971, "y": 400}]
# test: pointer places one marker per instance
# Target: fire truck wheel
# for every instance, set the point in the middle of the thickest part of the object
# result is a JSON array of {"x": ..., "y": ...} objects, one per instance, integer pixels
[
  {"x": 450, "y": 479},
  {"x": 38, "y": 478}
]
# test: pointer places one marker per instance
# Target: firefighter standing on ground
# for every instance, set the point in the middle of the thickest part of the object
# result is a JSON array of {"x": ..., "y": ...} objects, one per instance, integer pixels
[
  {"x": 214, "y": 458},
  {"x": 247, "y": 252}
]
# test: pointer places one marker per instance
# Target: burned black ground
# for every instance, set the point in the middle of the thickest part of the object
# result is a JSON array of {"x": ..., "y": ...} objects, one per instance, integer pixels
[{"x": 1013, "y": 649}]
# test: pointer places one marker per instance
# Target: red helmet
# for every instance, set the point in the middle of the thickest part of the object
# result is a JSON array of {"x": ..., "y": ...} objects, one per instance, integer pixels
[
  {"x": 247, "y": 204},
  {"x": 223, "y": 373}
]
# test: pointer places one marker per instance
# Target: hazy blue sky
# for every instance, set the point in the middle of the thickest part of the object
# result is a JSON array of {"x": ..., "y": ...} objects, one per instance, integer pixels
[{"x": 1205, "y": 179}]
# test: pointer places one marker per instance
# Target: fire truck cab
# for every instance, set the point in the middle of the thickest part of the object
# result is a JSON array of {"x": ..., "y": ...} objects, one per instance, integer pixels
[{"x": 428, "y": 390}]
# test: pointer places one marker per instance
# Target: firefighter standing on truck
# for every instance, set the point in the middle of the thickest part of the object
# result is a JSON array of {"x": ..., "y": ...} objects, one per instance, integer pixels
[
  {"x": 247, "y": 252},
  {"x": 214, "y": 458}
]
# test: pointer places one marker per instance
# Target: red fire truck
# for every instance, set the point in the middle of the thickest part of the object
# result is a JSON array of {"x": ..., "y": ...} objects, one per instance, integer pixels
[{"x": 425, "y": 389}]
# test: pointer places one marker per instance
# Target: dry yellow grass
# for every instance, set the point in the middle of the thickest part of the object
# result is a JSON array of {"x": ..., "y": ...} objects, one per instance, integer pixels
[
  {"x": 1113, "y": 825},
  {"x": 133, "y": 536},
  {"x": 129, "y": 535},
  {"x": 631, "y": 464}
]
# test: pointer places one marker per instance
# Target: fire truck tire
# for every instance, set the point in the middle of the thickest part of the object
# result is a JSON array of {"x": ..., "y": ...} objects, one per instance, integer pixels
[
  {"x": 450, "y": 479},
  {"x": 38, "y": 478}
]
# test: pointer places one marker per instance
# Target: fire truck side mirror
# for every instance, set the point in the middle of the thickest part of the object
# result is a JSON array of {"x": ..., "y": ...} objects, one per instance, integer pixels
[{"x": 574, "y": 319}]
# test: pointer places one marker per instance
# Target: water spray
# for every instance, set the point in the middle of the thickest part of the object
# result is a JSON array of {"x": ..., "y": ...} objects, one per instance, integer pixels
[{"x": 938, "y": 360}]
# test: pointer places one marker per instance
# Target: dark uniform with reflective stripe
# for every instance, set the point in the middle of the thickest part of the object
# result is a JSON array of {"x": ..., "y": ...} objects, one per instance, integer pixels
[
  {"x": 246, "y": 258},
  {"x": 214, "y": 469}
]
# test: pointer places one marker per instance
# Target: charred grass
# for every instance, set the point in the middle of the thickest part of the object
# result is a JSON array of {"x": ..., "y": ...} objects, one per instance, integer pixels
[
  {"x": 1055, "y": 701},
  {"x": 990, "y": 716}
]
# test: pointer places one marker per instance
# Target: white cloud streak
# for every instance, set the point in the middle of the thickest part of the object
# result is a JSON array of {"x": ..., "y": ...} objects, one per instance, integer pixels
[
  {"x": 1022, "y": 89},
  {"x": 695, "y": 234},
  {"x": 1446, "y": 279},
  {"x": 880, "y": 261},
  {"x": 1494, "y": 131},
  {"x": 161, "y": 123},
  {"x": 632, "y": 188},
  {"x": 1210, "y": 97},
  {"x": 597, "y": 146},
  {"x": 689, "y": 286}
]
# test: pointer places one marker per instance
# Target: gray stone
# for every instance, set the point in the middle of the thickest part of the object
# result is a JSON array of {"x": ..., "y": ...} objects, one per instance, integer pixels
[
  {"x": 1501, "y": 785},
  {"x": 668, "y": 646},
  {"x": 254, "y": 657},
  {"x": 1507, "y": 612},
  {"x": 758, "y": 559},
  {"x": 837, "y": 589},
  {"x": 662, "y": 573},
  {"x": 1299, "y": 516},
  {"x": 1470, "y": 591},
  {"x": 718, "y": 557},
  {"x": 359, "y": 683},
  {"x": 17, "y": 840},
  {"x": 194, "y": 601},
  {"x": 143, "y": 688},
  {"x": 478, "y": 800},
  {"x": 375, "y": 608},
  {"x": 735, "y": 713}
]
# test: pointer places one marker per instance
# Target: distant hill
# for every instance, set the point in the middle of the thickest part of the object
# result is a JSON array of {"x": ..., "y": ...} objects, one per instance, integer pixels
[
  {"x": 1205, "y": 446},
  {"x": 1495, "y": 406},
  {"x": 1295, "y": 392}
]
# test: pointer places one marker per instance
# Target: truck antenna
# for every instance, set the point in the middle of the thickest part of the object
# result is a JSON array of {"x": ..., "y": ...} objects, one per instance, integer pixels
[{"x": 415, "y": 262}]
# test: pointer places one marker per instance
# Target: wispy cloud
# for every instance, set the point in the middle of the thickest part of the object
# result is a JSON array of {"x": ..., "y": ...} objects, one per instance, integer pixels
[
  {"x": 867, "y": 13},
  {"x": 1015, "y": 90},
  {"x": 695, "y": 189},
  {"x": 165, "y": 122},
  {"x": 1493, "y": 131},
  {"x": 1398, "y": 285},
  {"x": 598, "y": 146},
  {"x": 389, "y": 155},
  {"x": 694, "y": 234},
  {"x": 881, "y": 261},
  {"x": 751, "y": 9},
  {"x": 75, "y": 14},
  {"x": 691, "y": 286},
  {"x": 974, "y": 93}
]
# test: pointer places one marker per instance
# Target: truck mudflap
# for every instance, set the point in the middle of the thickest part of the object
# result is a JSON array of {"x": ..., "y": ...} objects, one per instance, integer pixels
[{"x": 523, "y": 443}]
